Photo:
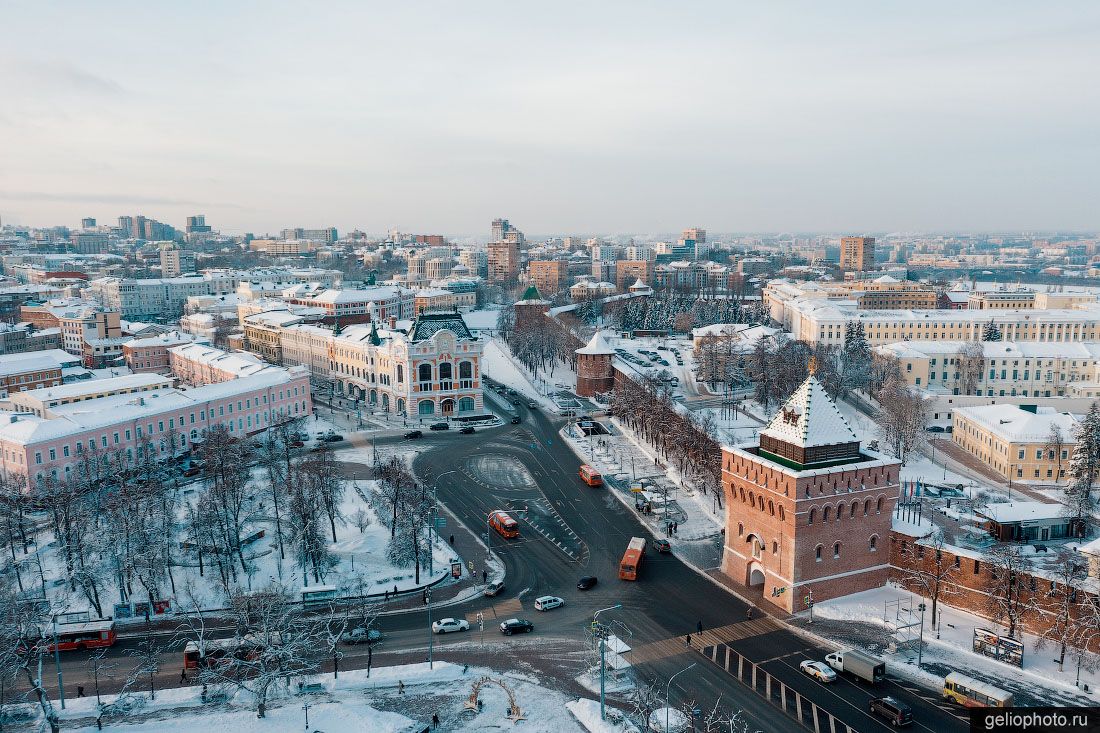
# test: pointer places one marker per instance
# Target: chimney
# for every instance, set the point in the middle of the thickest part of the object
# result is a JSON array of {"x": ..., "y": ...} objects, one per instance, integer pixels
[{"x": 393, "y": 323}]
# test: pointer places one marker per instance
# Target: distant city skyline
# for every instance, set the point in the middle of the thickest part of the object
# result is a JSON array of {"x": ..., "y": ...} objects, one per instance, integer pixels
[{"x": 855, "y": 117}]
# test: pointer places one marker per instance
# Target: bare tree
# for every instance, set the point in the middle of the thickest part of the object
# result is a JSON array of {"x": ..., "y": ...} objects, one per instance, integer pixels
[
  {"x": 1055, "y": 444},
  {"x": 1060, "y": 617},
  {"x": 901, "y": 418},
  {"x": 1006, "y": 600},
  {"x": 24, "y": 647},
  {"x": 971, "y": 365},
  {"x": 927, "y": 567},
  {"x": 278, "y": 643}
]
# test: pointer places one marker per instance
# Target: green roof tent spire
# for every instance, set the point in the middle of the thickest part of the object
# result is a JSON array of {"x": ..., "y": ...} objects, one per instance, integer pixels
[
  {"x": 531, "y": 293},
  {"x": 375, "y": 341}
]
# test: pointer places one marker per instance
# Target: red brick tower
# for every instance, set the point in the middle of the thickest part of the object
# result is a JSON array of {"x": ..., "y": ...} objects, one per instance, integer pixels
[
  {"x": 595, "y": 373},
  {"x": 808, "y": 510}
]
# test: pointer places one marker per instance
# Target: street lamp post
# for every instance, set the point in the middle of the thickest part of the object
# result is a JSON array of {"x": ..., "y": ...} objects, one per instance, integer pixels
[
  {"x": 57, "y": 663},
  {"x": 669, "y": 686},
  {"x": 431, "y": 634},
  {"x": 920, "y": 643},
  {"x": 603, "y": 646}
]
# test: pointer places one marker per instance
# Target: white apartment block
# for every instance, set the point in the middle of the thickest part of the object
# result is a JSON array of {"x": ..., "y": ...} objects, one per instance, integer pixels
[
  {"x": 821, "y": 321},
  {"x": 1008, "y": 369}
]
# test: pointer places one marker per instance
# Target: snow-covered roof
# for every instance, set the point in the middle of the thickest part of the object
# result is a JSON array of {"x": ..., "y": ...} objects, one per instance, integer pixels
[
  {"x": 886, "y": 280},
  {"x": 172, "y": 338},
  {"x": 810, "y": 418},
  {"x": 1017, "y": 425},
  {"x": 36, "y": 360},
  {"x": 98, "y": 413},
  {"x": 996, "y": 349},
  {"x": 1021, "y": 511},
  {"x": 596, "y": 345},
  {"x": 96, "y": 386}
]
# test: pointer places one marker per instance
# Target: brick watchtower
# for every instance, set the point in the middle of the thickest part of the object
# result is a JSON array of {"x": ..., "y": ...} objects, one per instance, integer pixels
[
  {"x": 808, "y": 510},
  {"x": 595, "y": 372}
]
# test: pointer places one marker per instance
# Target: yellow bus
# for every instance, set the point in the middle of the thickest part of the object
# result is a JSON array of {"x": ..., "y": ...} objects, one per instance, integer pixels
[{"x": 974, "y": 693}]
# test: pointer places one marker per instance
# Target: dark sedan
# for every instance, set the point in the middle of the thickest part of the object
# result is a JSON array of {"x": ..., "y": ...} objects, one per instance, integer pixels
[
  {"x": 588, "y": 581},
  {"x": 516, "y": 626}
]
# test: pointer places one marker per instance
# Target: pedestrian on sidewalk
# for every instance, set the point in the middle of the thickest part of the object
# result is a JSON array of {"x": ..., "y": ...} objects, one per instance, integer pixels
[
  {"x": 395, "y": 590},
  {"x": 183, "y": 675},
  {"x": 387, "y": 596},
  {"x": 400, "y": 687},
  {"x": 435, "y": 720},
  {"x": 699, "y": 627},
  {"x": 452, "y": 540},
  {"x": 687, "y": 640},
  {"x": 80, "y": 690},
  {"x": 484, "y": 576},
  {"x": 425, "y": 598}
]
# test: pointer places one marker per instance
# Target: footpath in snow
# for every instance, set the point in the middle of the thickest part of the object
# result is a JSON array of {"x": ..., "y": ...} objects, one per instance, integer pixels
[{"x": 396, "y": 699}]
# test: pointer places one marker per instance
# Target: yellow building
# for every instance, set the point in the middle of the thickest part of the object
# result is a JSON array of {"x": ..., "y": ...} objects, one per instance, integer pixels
[{"x": 1013, "y": 440}]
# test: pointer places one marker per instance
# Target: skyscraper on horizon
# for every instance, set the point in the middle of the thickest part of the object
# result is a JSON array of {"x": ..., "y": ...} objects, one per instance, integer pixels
[{"x": 857, "y": 253}]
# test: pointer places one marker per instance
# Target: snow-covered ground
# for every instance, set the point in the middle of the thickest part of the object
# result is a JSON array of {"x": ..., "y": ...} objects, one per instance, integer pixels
[
  {"x": 484, "y": 319},
  {"x": 873, "y": 615},
  {"x": 361, "y": 563},
  {"x": 497, "y": 364},
  {"x": 732, "y": 429},
  {"x": 391, "y": 700}
]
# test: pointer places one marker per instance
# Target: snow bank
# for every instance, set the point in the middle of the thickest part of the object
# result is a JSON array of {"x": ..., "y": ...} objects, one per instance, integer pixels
[{"x": 587, "y": 713}]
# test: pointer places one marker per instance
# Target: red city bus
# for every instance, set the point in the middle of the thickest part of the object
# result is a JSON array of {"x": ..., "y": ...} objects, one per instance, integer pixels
[
  {"x": 82, "y": 635},
  {"x": 505, "y": 526},
  {"x": 632, "y": 559},
  {"x": 221, "y": 652},
  {"x": 591, "y": 476}
]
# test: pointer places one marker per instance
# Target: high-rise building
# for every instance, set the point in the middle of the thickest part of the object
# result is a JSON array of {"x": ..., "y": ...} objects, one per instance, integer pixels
[
  {"x": 87, "y": 223},
  {"x": 547, "y": 275},
  {"x": 503, "y": 262},
  {"x": 628, "y": 272},
  {"x": 476, "y": 261},
  {"x": 89, "y": 243},
  {"x": 327, "y": 234},
  {"x": 857, "y": 253},
  {"x": 502, "y": 231},
  {"x": 197, "y": 224},
  {"x": 175, "y": 261},
  {"x": 695, "y": 234}
]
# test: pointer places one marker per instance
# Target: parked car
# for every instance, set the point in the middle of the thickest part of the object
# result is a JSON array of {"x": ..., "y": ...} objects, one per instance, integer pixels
[
  {"x": 494, "y": 588},
  {"x": 332, "y": 437},
  {"x": 532, "y": 405},
  {"x": 894, "y": 710},
  {"x": 516, "y": 626},
  {"x": 661, "y": 545},
  {"x": 515, "y": 420},
  {"x": 439, "y": 426},
  {"x": 447, "y": 625},
  {"x": 588, "y": 581},
  {"x": 318, "y": 448},
  {"x": 545, "y": 603},
  {"x": 360, "y": 635},
  {"x": 467, "y": 430},
  {"x": 297, "y": 444},
  {"x": 193, "y": 471},
  {"x": 414, "y": 434},
  {"x": 818, "y": 670}
]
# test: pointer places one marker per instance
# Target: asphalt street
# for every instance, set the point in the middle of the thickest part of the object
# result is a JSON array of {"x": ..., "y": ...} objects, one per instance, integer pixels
[{"x": 571, "y": 530}]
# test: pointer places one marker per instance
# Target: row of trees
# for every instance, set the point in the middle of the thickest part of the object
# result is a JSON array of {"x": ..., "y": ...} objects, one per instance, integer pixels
[
  {"x": 686, "y": 439},
  {"x": 1053, "y": 608},
  {"x": 683, "y": 312}
]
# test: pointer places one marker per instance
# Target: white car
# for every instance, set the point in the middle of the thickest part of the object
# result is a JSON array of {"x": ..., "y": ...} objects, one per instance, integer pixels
[
  {"x": 447, "y": 625},
  {"x": 545, "y": 603},
  {"x": 818, "y": 670}
]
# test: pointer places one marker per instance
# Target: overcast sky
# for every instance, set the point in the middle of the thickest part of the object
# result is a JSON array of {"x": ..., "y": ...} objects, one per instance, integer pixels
[{"x": 564, "y": 117}]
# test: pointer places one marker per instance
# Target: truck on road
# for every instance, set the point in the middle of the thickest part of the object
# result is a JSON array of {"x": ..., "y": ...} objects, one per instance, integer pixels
[{"x": 858, "y": 664}]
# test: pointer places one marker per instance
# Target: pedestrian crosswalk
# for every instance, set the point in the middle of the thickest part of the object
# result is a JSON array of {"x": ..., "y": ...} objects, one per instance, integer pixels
[
  {"x": 497, "y": 611},
  {"x": 671, "y": 647}
]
